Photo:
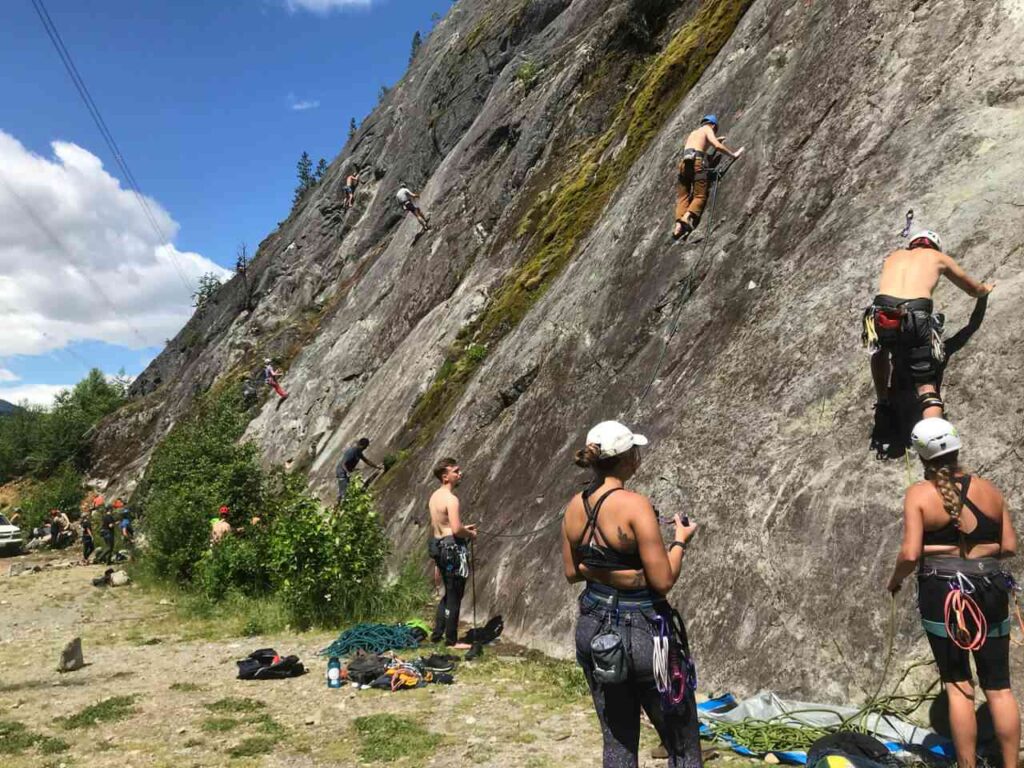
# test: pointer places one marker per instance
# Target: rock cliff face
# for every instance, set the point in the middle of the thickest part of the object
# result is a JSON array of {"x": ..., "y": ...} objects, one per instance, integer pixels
[{"x": 544, "y": 135}]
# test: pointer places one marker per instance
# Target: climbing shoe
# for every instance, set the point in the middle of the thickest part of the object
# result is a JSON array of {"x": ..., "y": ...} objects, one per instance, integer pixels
[{"x": 437, "y": 663}]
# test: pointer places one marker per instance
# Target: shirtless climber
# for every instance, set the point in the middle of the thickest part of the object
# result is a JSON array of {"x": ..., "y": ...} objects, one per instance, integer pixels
[
  {"x": 408, "y": 198},
  {"x": 692, "y": 185},
  {"x": 450, "y": 536},
  {"x": 351, "y": 183},
  {"x": 900, "y": 323},
  {"x": 271, "y": 376}
]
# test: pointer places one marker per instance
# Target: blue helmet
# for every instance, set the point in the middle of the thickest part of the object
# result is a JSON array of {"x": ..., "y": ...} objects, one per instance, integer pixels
[{"x": 713, "y": 119}]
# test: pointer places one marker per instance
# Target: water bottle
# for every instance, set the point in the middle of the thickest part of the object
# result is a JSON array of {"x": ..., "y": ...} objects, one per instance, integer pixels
[{"x": 333, "y": 672}]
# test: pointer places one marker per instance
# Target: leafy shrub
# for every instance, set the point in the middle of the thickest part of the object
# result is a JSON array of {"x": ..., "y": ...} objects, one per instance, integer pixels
[
  {"x": 237, "y": 562},
  {"x": 63, "y": 491},
  {"x": 528, "y": 74}
]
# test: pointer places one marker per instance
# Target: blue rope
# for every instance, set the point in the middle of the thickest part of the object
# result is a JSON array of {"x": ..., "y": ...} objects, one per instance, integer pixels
[{"x": 374, "y": 638}]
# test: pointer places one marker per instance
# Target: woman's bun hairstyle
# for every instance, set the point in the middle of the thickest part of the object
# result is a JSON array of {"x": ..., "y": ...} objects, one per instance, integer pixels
[{"x": 589, "y": 456}]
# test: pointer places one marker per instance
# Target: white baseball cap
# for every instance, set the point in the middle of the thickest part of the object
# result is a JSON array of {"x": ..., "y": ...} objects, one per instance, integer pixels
[
  {"x": 613, "y": 438},
  {"x": 934, "y": 437}
]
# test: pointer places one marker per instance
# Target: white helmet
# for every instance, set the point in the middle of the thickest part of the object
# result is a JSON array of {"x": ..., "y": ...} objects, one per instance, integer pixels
[
  {"x": 929, "y": 235},
  {"x": 266, "y": 361},
  {"x": 934, "y": 437}
]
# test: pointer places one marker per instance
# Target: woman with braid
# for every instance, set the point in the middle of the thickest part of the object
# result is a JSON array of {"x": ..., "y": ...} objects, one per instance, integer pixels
[{"x": 956, "y": 528}]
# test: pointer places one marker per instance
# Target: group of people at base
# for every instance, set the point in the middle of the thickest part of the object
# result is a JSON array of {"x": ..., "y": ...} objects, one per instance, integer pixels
[
  {"x": 632, "y": 645},
  {"x": 112, "y": 517}
]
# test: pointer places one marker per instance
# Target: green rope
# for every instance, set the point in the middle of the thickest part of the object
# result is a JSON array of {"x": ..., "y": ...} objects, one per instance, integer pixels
[{"x": 374, "y": 638}]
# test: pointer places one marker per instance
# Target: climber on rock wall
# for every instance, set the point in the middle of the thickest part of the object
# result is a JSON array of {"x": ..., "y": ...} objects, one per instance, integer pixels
[
  {"x": 900, "y": 330},
  {"x": 692, "y": 183},
  {"x": 271, "y": 376},
  {"x": 407, "y": 198},
  {"x": 351, "y": 183}
]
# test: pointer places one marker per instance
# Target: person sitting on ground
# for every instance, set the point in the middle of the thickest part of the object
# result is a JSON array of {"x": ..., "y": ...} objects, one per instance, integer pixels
[
  {"x": 220, "y": 526},
  {"x": 899, "y": 323},
  {"x": 452, "y": 559},
  {"x": 351, "y": 183},
  {"x": 956, "y": 528},
  {"x": 88, "y": 544},
  {"x": 350, "y": 459},
  {"x": 407, "y": 198},
  {"x": 692, "y": 182},
  {"x": 615, "y": 545},
  {"x": 271, "y": 376},
  {"x": 60, "y": 529},
  {"x": 107, "y": 527}
]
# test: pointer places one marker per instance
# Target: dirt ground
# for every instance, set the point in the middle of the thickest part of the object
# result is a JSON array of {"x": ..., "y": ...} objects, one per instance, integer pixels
[{"x": 186, "y": 708}]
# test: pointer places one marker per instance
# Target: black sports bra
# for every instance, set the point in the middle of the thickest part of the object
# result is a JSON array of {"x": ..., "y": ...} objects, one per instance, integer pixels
[
  {"x": 604, "y": 557},
  {"x": 986, "y": 531}
]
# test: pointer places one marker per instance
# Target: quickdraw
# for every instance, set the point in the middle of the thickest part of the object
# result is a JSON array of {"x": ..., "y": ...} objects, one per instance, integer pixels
[{"x": 674, "y": 675}]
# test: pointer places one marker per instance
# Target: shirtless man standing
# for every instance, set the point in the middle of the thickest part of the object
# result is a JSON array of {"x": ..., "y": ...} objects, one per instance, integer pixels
[
  {"x": 450, "y": 552},
  {"x": 692, "y": 187},
  {"x": 899, "y": 321}
]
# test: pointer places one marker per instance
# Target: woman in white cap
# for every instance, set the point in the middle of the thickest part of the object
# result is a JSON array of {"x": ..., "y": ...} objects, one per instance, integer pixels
[
  {"x": 631, "y": 644},
  {"x": 956, "y": 528}
]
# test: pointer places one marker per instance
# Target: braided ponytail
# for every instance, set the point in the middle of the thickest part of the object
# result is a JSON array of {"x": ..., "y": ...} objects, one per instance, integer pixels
[{"x": 941, "y": 473}]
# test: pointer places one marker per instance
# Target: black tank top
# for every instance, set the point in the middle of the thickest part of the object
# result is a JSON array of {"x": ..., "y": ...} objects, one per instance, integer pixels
[
  {"x": 986, "y": 531},
  {"x": 594, "y": 555}
]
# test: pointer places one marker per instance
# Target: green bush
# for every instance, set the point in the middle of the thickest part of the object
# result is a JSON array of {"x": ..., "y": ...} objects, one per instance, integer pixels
[
  {"x": 236, "y": 563},
  {"x": 63, "y": 491},
  {"x": 528, "y": 74}
]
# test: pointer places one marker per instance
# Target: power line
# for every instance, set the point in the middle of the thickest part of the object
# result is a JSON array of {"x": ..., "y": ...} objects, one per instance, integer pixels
[
  {"x": 84, "y": 271},
  {"x": 101, "y": 125}
]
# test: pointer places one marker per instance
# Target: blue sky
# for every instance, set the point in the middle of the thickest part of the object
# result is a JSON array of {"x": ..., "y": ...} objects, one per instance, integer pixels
[{"x": 211, "y": 103}]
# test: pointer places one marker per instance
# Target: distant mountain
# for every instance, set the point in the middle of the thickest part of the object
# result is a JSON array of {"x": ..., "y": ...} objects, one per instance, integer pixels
[{"x": 6, "y": 408}]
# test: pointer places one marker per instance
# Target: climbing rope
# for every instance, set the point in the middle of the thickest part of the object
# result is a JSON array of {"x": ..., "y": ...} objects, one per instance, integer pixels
[
  {"x": 687, "y": 281},
  {"x": 374, "y": 638}
]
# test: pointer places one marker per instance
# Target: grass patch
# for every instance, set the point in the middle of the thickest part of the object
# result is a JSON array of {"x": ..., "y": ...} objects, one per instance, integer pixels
[
  {"x": 266, "y": 724},
  {"x": 528, "y": 73},
  {"x": 235, "y": 705},
  {"x": 253, "y": 746},
  {"x": 378, "y": 742},
  {"x": 219, "y": 724},
  {"x": 557, "y": 222},
  {"x": 15, "y": 739},
  {"x": 536, "y": 679},
  {"x": 106, "y": 711},
  {"x": 186, "y": 687}
]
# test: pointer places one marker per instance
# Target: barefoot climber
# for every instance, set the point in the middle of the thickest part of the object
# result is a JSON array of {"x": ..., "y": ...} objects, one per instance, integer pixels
[
  {"x": 899, "y": 323},
  {"x": 407, "y": 198},
  {"x": 611, "y": 538},
  {"x": 692, "y": 183},
  {"x": 956, "y": 530},
  {"x": 450, "y": 543}
]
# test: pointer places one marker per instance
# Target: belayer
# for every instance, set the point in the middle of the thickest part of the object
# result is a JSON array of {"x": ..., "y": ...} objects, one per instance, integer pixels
[
  {"x": 900, "y": 329},
  {"x": 630, "y": 642},
  {"x": 449, "y": 548},
  {"x": 692, "y": 183},
  {"x": 270, "y": 375},
  {"x": 956, "y": 529}
]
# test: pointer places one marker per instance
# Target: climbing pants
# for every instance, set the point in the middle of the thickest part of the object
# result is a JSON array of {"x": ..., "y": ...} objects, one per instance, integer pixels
[
  {"x": 277, "y": 388},
  {"x": 692, "y": 188}
]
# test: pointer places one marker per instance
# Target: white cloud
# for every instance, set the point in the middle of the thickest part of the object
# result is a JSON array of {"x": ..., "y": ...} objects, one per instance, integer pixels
[
  {"x": 95, "y": 244},
  {"x": 301, "y": 106},
  {"x": 8, "y": 376},
  {"x": 325, "y": 6},
  {"x": 34, "y": 394}
]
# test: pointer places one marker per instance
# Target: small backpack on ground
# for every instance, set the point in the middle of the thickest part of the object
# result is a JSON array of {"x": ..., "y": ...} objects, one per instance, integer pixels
[
  {"x": 267, "y": 664},
  {"x": 364, "y": 668}
]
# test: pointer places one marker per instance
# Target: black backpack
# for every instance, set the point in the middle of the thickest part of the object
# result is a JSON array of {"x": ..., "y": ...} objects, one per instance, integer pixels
[
  {"x": 364, "y": 668},
  {"x": 266, "y": 664}
]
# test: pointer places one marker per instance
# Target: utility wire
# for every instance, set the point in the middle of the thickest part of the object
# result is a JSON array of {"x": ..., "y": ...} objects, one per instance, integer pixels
[
  {"x": 84, "y": 271},
  {"x": 108, "y": 137}
]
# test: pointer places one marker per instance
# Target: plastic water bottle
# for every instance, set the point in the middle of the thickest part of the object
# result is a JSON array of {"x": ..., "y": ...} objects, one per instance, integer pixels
[{"x": 333, "y": 672}]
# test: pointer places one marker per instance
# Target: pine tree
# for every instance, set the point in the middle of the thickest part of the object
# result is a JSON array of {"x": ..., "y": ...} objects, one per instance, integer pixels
[
  {"x": 305, "y": 174},
  {"x": 352, "y": 128},
  {"x": 417, "y": 41},
  {"x": 242, "y": 262},
  {"x": 321, "y": 169}
]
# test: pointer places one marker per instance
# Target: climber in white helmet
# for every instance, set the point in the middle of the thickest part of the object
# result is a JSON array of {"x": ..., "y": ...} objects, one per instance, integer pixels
[
  {"x": 271, "y": 376},
  {"x": 899, "y": 326}
]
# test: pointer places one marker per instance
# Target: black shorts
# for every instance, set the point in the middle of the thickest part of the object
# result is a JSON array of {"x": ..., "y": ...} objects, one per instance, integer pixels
[
  {"x": 409, "y": 207},
  {"x": 911, "y": 343},
  {"x": 992, "y": 660}
]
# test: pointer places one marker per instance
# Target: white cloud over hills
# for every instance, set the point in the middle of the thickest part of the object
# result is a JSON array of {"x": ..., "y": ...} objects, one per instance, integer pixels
[
  {"x": 325, "y": 6},
  {"x": 71, "y": 237}
]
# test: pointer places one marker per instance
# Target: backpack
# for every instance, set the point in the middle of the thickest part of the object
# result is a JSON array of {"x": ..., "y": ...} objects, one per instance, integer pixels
[
  {"x": 266, "y": 664},
  {"x": 364, "y": 668}
]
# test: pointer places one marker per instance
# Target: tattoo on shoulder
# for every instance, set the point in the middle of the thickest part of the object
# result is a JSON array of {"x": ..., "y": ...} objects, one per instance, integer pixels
[{"x": 624, "y": 537}]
